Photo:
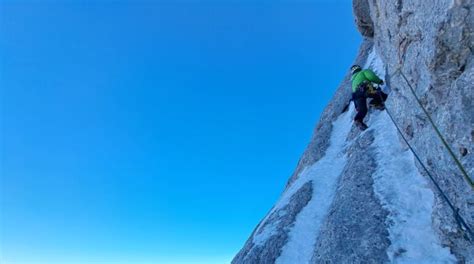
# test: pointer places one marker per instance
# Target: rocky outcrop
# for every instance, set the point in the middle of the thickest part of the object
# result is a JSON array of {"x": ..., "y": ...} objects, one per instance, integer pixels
[
  {"x": 363, "y": 19},
  {"x": 431, "y": 44}
]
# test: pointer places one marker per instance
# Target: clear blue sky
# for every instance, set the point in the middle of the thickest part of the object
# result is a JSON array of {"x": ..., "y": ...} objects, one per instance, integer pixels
[{"x": 156, "y": 132}]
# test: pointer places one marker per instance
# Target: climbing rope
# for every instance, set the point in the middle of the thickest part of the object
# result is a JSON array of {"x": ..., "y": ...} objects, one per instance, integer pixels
[
  {"x": 459, "y": 219},
  {"x": 456, "y": 160}
]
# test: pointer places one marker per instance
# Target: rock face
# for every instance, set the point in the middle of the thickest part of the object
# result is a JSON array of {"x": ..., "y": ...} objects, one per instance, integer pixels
[
  {"x": 360, "y": 197},
  {"x": 362, "y": 17},
  {"x": 432, "y": 43}
]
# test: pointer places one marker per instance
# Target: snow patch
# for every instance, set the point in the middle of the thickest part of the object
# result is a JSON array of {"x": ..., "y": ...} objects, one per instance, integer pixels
[
  {"x": 270, "y": 229},
  {"x": 324, "y": 174}
]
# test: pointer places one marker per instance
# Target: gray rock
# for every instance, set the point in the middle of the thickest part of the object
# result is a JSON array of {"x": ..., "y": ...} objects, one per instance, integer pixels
[{"x": 363, "y": 19}]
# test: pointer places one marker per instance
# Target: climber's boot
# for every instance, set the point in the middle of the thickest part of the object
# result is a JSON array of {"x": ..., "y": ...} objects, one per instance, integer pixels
[{"x": 360, "y": 125}]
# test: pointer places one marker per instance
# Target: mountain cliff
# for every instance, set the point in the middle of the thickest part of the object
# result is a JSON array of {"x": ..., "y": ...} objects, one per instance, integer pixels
[{"x": 400, "y": 191}]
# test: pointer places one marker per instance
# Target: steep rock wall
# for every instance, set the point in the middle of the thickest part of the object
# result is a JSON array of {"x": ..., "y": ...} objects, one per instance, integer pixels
[{"x": 431, "y": 43}]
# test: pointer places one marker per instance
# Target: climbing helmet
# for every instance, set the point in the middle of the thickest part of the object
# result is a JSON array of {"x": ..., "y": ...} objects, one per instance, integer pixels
[{"x": 355, "y": 68}]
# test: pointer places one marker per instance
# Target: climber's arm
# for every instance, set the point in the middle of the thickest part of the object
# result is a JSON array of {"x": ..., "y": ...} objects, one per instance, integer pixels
[{"x": 371, "y": 76}]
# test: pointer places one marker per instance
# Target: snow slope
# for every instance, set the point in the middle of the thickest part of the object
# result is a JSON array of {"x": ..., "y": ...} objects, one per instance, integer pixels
[{"x": 324, "y": 175}]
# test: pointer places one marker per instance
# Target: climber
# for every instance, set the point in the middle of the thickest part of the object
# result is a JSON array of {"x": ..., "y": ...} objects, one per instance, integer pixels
[{"x": 362, "y": 88}]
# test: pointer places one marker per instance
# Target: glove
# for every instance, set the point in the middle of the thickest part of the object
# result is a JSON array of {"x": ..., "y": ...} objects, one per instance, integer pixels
[
  {"x": 371, "y": 89},
  {"x": 381, "y": 83}
]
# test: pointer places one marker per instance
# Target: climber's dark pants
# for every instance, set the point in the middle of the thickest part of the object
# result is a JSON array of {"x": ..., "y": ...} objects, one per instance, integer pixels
[{"x": 360, "y": 102}]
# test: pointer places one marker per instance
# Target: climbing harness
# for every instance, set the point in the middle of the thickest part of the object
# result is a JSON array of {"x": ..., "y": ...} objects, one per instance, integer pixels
[
  {"x": 456, "y": 160},
  {"x": 459, "y": 219}
]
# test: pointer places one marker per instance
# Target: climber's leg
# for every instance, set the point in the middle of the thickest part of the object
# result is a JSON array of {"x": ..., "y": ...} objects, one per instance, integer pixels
[{"x": 361, "y": 107}]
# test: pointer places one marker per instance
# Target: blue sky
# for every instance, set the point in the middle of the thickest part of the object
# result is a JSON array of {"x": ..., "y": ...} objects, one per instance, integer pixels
[{"x": 156, "y": 132}]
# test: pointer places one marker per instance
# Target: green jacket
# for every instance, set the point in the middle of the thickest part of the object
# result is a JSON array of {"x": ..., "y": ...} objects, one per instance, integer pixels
[{"x": 364, "y": 75}]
